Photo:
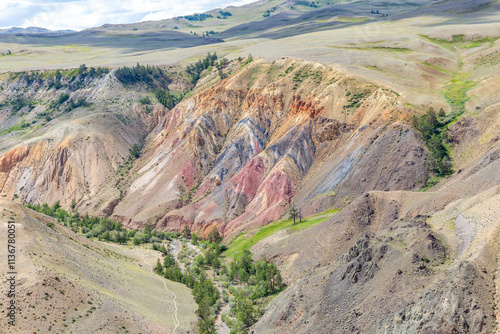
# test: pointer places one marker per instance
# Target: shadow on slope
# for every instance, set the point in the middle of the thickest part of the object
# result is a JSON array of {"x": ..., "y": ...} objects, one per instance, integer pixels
[{"x": 137, "y": 41}]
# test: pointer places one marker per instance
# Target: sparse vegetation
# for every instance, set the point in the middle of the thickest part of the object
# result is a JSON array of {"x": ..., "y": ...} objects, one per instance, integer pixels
[
  {"x": 356, "y": 99},
  {"x": 303, "y": 74},
  {"x": 72, "y": 104},
  {"x": 269, "y": 12},
  {"x": 145, "y": 100},
  {"x": 104, "y": 229},
  {"x": 248, "y": 60},
  {"x": 294, "y": 213},
  {"x": 16, "y": 127},
  {"x": 224, "y": 14},
  {"x": 62, "y": 98},
  {"x": 167, "y": 99},
  {"x": 151, "y": 77},
  {"x": 194, "y": 71},
  {"x": 19, "y": 102},
  {"x": 71, "y": 79},
  {"x": 197, "y": 17},
  {"x": 186, "y": 196},
  {"x": 135, "y": 152}
]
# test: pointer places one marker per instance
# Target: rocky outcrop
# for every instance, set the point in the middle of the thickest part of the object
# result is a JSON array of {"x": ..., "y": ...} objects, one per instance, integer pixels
[
  {"x": 463, "y": 303},
  {"x": 344, "y": 293}
]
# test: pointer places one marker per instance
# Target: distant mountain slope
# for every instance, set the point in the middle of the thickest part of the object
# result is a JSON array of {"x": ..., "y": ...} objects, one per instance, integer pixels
[
  {"x": 260, "y": 13},
  {"x": 157, "y": 41},
  {"x": 33, "y": 30}
]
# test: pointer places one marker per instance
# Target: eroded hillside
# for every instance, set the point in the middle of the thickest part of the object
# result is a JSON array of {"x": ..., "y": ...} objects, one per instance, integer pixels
[
  {"x": 236, "y": 154},
  {"x": 67, "y": 137}
]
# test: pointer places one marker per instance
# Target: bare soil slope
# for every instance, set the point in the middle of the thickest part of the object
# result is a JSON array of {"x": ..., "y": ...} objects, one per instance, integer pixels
[{"x": 67, "y": 283}]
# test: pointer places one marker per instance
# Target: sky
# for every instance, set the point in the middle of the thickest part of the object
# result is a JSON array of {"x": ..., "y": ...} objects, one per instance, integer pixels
[{"x": 81, "y": 14}]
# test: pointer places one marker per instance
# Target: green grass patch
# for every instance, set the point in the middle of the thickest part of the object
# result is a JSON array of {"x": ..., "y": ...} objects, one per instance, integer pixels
[
  {"x": 352, "y": 19},
  {"x": 389, "y": 48},
  {"x": 445, "y": 43},
  {"x": 16, "y": 127},
  {"x": 70, "y": 73},
  {"x": 375, "y": 48},
  {"x": 488, "y": 39},
  {"x": 247, "y": 61},
  {"x": 460, "y": 41},
  {"x": 373, "y": 67},
  {"x": 440, "y": 69},
  {"x": 473, "y": 45},
  {"x": 432, "y": 182},
  {"x": 455, "y": 92},
  {"x": 307, "y": 223},
  {"x": 244, "y": 242},
  {"x": 329, "y": 212}
]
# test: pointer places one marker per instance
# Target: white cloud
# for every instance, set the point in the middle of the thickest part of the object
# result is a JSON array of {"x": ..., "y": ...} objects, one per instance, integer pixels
[{"x": 81, "y": 14}]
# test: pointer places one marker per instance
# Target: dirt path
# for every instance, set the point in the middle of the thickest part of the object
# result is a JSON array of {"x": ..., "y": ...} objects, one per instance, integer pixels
[
  {"x": 176, "y": 319},
  {"x": 174, "y": 315}
]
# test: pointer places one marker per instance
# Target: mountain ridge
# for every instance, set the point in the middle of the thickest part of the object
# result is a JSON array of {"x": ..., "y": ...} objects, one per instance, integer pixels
[{"x": 34, "y": 30}]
